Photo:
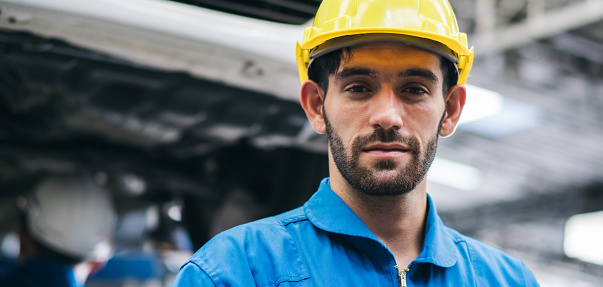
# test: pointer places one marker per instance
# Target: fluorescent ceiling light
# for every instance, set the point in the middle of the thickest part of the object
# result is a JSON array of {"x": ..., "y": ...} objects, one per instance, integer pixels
[
  {"x": 454, "y": 174},
  {"x": 480, "y": 103},
  {"x": 175, "y": 212},
  {"x": 583, "y": 237},
  {"x": 491, "y": 115},
  {"x": 10, "y": 245}
]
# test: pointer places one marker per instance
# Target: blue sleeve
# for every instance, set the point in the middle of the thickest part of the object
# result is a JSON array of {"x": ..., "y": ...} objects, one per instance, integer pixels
[
  {"x": 191, "y": 275},
  {"x": 529, "y": 276}
]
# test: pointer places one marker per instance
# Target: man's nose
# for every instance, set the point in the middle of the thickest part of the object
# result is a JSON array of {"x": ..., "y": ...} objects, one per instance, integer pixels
[{"x": 386, "y": 110}]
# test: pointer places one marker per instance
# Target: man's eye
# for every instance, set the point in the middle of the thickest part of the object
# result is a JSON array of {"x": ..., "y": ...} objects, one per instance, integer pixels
[
  {"x": 415, "y": 90},
  {"x": 357, "y": 89}
]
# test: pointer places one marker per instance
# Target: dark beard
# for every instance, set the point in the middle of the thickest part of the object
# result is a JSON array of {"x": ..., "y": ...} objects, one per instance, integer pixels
[{"x": 362, "y": 178}]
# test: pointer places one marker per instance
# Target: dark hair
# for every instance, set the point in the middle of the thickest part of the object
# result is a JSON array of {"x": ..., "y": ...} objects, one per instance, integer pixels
[{"x": 326, "y": 65}]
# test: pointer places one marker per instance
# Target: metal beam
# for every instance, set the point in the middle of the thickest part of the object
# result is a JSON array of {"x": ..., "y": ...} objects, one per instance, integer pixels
[
  {"x": 250, "y": 9},
  {"x": 539, "y": 26},
  {"x": 551, "y": 205}
]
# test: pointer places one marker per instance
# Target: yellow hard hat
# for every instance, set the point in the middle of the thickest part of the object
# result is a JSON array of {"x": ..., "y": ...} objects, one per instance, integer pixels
[{"x": 429, "y": 24}]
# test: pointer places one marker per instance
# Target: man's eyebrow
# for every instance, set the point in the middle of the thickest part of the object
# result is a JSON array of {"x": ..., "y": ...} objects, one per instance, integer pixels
[
  {"x": 348, "y": 72},
  {"x": 423, "y": 73}
]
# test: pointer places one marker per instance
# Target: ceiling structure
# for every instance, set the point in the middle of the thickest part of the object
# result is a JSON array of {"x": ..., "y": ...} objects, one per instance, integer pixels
[
  {"x": 196, "y": 111},
  {"x": 546, "y": 59}
]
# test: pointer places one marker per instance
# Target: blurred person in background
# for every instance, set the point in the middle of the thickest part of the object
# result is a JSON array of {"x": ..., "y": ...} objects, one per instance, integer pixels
[{"x": 66, "y": 232}]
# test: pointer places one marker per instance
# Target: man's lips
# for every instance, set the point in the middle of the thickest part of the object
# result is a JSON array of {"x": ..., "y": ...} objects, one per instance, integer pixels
[{"x": 386, "y": 148}]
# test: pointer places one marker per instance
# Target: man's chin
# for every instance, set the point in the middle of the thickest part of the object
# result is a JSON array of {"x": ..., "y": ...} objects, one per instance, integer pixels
[
  {"x": 384, "y": 190},
  {"x": 383, "y": 183},
  {"x": 386, "y": 176}
]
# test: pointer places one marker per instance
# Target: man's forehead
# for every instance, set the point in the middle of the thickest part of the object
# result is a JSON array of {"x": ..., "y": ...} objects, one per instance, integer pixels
[
  {"x": 401, "y": 49},
  {"x": 390, "y": 53}
]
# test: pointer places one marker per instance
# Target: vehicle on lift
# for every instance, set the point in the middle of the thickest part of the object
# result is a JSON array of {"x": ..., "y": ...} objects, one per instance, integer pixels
[{"x": 166, "y": 104}]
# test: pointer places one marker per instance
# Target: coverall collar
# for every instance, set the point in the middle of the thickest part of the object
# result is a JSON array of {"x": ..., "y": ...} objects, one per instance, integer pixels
[{"x": 327, "y": 211}]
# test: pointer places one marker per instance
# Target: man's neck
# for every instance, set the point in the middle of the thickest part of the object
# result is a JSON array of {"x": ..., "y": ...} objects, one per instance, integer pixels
[{"x": 397, "y": 221}]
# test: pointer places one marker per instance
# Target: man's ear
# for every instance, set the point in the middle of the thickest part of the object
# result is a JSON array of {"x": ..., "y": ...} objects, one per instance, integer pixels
[
  {"x": 455, "y": 101},
  {"x": 312, "y": 100}
]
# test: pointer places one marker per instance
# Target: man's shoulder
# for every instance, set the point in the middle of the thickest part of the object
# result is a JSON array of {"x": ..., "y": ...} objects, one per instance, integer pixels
[
  {"x": 491, "y": 262},
  {"x": 478, "y": 249},
  {"x": 263, "y": 228},
  {"x": 258, "y": 232},
  {"x": 263, "y": 244}
]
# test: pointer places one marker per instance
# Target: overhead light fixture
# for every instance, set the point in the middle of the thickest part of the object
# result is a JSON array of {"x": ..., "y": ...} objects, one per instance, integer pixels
[
  {"x": 10, "y": 245},
  {"x": 491, "y": 115},
  {"x": 174, "y": 211},
  {"x": 133, "y": 185},
  {"x": 583, "y": 237},
  {"x": 480, "y": 103},
  {"x": 454, "y": 174}
]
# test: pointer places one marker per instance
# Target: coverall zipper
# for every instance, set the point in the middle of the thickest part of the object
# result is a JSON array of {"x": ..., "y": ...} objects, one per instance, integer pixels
[{"x": 402, "y": 275}]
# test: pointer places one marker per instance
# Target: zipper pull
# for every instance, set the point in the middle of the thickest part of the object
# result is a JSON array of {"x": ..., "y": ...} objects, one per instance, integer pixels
[{"x": 402, "y": 275}]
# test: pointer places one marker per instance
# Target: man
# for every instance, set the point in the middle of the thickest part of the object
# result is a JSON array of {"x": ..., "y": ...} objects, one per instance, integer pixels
[
  {"x": 385, "y": 82},
  {"x": 65, "y": 234}
]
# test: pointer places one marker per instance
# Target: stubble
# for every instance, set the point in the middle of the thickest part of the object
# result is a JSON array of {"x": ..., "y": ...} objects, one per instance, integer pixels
[{"x": 366, "y": 180}]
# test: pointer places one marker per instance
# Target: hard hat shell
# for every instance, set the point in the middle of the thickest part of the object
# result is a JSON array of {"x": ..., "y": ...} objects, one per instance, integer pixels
[
  {"x": 72, "y": 216},
  {"x": 429, "y": 20}
]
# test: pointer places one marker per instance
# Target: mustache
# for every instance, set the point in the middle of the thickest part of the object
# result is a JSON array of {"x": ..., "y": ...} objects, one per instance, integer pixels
[{"x": 385, "y": 136}]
